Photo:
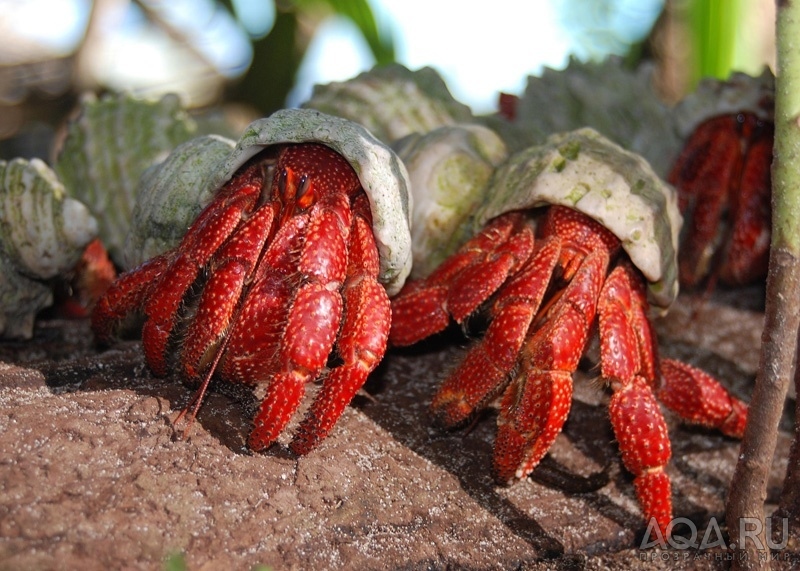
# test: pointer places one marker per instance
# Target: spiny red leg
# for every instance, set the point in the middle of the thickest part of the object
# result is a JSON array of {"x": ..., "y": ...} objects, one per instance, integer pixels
[
  {"x": 464, "y": 281},
  {"x": 627, "y": 358},
  {"x": 313, "y": 319},
  {"x": 214, "y": 225},
  {"x": 231, "y": 266},
  {"x": 125, "y": 296},
  {"x": 485, "y": 369},
  {"x": 699, "y": 398},
  {"x": 627, "y": 342},
  {"x": 643, "y": 440},
  {"x": 703, "y": 175},
  {"x": 362, "y": 341},
  {"x": 307, "y": 341},
  {"x": 747, "y": 256},
  {"x": 252, "y": 350},
  {"x": 537, "y": 402}
]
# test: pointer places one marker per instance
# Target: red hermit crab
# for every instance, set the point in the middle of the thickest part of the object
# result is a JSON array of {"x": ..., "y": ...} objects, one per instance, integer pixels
[
  {"x": 572, "y": 236},
  {"x": 722, "y": 176},
  {"x": 282, "y": 279},
  {"x": 724, "y": 188}
]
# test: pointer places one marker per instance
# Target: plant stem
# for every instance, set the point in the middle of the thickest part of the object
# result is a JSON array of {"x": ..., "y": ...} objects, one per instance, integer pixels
[{"x": 779, "y": 340}]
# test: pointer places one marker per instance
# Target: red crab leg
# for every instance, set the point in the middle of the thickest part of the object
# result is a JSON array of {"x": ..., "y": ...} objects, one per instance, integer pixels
[
  {"x": 627, "y": 355},
  {"x": 747, "y": 256},
  {"x": 537, "y": 402},
  {"x": 464, "y": 281},
  {"x": 362, "y": 341},
  {"x": 711, "y": 160},
  {"x": 255, "y": 335},
  {"x": 125, "y": 296},
  {"x": 231, "y": 268},
  {"x": 214, "y": 225},
  {"x": 699, "y": 398},
  {"x": 313, "y": 319},
  {"x": 485, "y": 369}
]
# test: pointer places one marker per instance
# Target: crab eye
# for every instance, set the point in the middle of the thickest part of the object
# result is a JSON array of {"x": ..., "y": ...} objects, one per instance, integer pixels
[
  {"x": 283, "y": 182},
  {"x": 305, "y": 194}
]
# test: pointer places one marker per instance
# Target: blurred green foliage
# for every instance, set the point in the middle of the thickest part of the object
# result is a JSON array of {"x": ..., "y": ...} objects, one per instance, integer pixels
[
  {"x": 277, "y": 55},
  {"x": 712, "y": 26}
]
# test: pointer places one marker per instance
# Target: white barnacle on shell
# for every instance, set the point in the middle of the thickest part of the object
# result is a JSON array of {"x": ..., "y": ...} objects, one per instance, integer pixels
[{"x": 42, "y": 235}]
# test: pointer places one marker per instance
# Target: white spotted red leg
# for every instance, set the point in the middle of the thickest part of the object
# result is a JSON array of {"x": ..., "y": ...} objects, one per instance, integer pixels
[
  {"x": 230, "y": 271},
  {"x": 211, "y": 229},
  {"x": 485, "y": 369},
  {"x": 362, "y": 341},
  {"x": 464, "y": 281},
  {"x": 627, "y": 362},
  {"x": 536, "y": 403},
  {"x": 128, "y": 293},
  {"x": 313, "y": 319},
  {"x": 699, "y": 398}
]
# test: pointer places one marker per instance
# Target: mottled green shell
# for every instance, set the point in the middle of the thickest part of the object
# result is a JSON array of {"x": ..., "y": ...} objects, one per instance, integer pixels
[
  {"x": 587, "y": 172},
  {"x": 172, "y": 194},
  {"x": 392, "y": 101},
  {"x": 42, "y": 235},
  {"x": 449, "y": 168},
  {"x": 382, "y": 175},
  {"x": 109, "y": 146}
]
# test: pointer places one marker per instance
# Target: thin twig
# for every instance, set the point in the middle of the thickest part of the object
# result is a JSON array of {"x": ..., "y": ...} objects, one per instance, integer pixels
[{"x": 745, "y": 508}]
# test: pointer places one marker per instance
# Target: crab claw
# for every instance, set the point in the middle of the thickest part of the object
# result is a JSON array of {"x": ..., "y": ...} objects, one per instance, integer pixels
[
  {"x": 536, "y": 404},
  {"x": 698, "y": 398},
  {"x": 643, "y": 440}
]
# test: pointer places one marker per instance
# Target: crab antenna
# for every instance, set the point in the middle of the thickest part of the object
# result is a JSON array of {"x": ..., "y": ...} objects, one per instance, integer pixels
[{"x": 200, "y": 393}]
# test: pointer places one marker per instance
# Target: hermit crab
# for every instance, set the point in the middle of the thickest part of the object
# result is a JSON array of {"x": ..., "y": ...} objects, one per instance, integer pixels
[
  {"x": 723, "y": 180},
  {"x": 284, "y": 277},
  {"x": 569, "y": 237}
]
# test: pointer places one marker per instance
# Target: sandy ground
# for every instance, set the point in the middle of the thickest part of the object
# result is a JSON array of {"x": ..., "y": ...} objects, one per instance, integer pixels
[{"x": 92, "y": 475}]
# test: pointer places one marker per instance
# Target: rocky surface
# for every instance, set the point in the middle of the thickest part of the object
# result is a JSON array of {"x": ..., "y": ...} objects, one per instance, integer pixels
[{"x": 93, "y": 474}]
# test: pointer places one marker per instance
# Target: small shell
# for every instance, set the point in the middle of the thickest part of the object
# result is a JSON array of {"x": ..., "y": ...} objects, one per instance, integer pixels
[
  {"x": 108, "y": 147},
  {"x": 449, "y": 168},
  {"x": 392, "y": 101},
  {"x": 383, "y": 176},
  {"x": 42, "y": 235},
  {"x": 172, "y": 194},
  {"x": 585, "y": 171},
  {"x": 740, "y": 92}
]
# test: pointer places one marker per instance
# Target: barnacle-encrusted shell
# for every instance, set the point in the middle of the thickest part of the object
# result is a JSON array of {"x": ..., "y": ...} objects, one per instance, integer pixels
[
  {"x": 382, "y": 175},
  {"x": 172, "y": 194},
  {"x": 108, "y": 147},
  {"x": 585, "y": 171},
  {"x": 449, "y": 168},
  {"x": 611, "y": 98},
  {"x": 392, "y": 101},
  {"x": 740, "y": 92},
  {"x": 42, "y": 234}
]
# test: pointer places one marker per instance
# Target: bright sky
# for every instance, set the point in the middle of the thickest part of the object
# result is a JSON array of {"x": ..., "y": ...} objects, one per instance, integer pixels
[{"x": 478, "y": 52}]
